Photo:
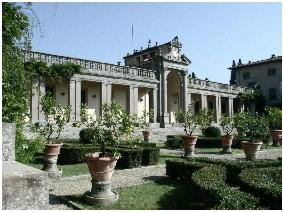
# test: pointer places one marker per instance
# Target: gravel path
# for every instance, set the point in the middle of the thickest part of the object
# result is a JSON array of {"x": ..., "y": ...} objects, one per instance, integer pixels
[{"x": 130, "y": 177}]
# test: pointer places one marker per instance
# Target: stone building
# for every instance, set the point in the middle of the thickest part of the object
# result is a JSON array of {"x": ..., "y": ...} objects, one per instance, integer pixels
[
  {"x": 154, "y": 78},
  {"x": 265, "y": 73}
]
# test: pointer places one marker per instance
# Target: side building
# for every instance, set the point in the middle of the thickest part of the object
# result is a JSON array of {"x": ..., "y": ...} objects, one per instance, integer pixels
[
  {"x": 154, "y": 78},
  {"x": 267, "y": 74}
]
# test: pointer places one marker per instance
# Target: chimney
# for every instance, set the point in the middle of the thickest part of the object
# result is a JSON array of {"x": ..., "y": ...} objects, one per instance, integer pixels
[
  {"x": 149, "y": 43},
  {"x": 240, "y": 62},
  {"x": 234, "y": 63}
]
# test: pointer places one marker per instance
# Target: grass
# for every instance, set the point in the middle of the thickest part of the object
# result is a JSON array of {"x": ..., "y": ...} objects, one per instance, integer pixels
[{"x": 160, "y": 195}]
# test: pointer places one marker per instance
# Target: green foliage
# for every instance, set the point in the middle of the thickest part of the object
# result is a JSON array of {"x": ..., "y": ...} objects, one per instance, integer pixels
[
  {"x": 188, "y": 120},
  {"x": 253, "y": 127},
  {"x": 227, "y": 124},
  {"x": 211, "y": 179},
  {"x": 87, "y": 136},
  {"x": 144, "y": 120},
  {"x": 25, "y": 149},
  {"x": 15, "y": 82},
  {"x": 54, "y": 71},
  {"x": 265, "y": 183},
  {"x": 150, "y": 155},
  {"x": 130, "y": 158},
  {"x": 213, "y": 132},
  {"x": 57, "y": 117},
  {"x": 204, "y": 118},
  {"x": 274, "y": 117}
]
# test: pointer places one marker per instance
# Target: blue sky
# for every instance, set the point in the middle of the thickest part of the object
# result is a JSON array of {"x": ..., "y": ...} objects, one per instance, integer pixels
[{"x": 212, "y": 34}]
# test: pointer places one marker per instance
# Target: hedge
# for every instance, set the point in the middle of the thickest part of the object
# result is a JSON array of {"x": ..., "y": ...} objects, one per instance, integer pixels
[
  {"x": 213, "y": 132},
  {"x": 211, "y": 179},
  {"x": 131, "y": 158},
  {"x": 87, "y": 135},
  {"x": 150, "y": 155},
  {"x": 265, "y": 183}
]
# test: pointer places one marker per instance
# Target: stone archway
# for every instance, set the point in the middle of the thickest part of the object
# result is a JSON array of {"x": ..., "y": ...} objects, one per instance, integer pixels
[{"x": 173, "y": 94}]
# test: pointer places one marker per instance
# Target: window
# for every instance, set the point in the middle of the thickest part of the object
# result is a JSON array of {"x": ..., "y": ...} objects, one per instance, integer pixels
[
  {"x": 152, "y": 54},
  {"x": 272, "y": 94},
  {"x": 246, "y": 75},
  {"x": 49, "y": 90},
  {"x": 84, "y": 97},
  {"x": 271, "y": 72}
]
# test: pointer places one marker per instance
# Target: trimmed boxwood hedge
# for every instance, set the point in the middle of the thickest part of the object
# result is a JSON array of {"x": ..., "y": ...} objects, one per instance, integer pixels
[
  {"x": 131, "y": 158},
  {"x": 211, "y": 179},
  {"x": 150, "y": 155},
  {"x": 265, "y": 183}
]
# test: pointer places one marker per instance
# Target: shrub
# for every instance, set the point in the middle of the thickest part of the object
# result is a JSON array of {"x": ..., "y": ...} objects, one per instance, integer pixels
[
  {"x": 265, "y": 183},
  {"x": 87, "y": 136},
  {"x": 150, "y": 155},
  {"x": 213, "y": 132},
  {"x": 174, "y": 142},
  {"x": 130, "y": 158},
  {"x": 211, "y": 179}
]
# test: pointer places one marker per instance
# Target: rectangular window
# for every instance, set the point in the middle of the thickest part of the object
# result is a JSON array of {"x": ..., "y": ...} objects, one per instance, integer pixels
[
  {"x": 84, "y": 97},
  {"x": 272, "y": 94},
  {"x": 271, "y": 72},
  {"x": 246, "y": 75}
]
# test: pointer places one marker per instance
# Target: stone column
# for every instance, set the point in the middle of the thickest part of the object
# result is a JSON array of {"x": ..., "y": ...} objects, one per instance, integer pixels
[
  {"x": 135, "y": 99},
  {"x": 103, "y": 93},
  {"x": 185, "y": 91},
  {"x": 131, "y": 99},
  {"x": 34, "y": 100},
  {"x": 189, "y": 100},
  {"x": 109, "y": 93},
  {"x": 41, "y": 115},
  {"x": 218, "y": 108},
  {"x": 230, "y": 107},
  {"x": 203, "y": 101},
  {"x": 154, "y": 92},
  {"x": 72, "y": 99},
  {"x": 78, "y": 100}
]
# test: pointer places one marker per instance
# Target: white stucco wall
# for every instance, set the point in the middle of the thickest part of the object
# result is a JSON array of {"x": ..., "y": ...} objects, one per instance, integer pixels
[
  {"x": 93, "y": 96},
  {"x": 62, "y": 94},
  {"x": 120, "y": 95},
  {"x": 144, "y": 104}
]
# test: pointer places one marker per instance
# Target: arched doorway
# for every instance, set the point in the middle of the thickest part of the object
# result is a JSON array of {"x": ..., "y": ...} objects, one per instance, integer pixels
[{"x": 173, "y": 94}]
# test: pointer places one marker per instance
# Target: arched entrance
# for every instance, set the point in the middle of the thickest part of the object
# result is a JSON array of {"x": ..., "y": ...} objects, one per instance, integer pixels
[{"x": 173, "y": 94}]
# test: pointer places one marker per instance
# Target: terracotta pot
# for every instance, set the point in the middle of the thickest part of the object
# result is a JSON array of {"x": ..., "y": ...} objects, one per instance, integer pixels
[
  {"x": 145, "y": 135},
  {"x": 101, "y": 170},
  {"x": 251, "y": 149},
  {"x": 227, "y": 143},
  {"x": 276, "y": 137},
  {"x": 50, "y": 156},
  {"x": 189, "y": 145}
]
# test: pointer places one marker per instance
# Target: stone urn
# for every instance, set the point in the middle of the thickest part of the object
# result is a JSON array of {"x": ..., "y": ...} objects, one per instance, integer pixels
[
  {"x": 50, "y": 156},
  {"x": 276, "y": 137},
  {"x": 146, "y": 134},
  {"x": 101, "y": 170},
  {"x": 251, "y": 149},
  {"x": 227, "y": 143},
  {"x": 189, "y": 145}
]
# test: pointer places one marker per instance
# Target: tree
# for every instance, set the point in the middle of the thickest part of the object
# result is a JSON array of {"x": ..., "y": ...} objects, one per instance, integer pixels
[{"x": 16, "y": 83}]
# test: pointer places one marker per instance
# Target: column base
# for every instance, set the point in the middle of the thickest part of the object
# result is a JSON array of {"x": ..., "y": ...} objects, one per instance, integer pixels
[{"x": 99, "y": 200}]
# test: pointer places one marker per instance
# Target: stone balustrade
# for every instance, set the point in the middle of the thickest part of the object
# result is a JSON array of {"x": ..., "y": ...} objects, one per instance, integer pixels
[
  {"x": 214, "y": 86},
  {"x": 93, "y": 66}
]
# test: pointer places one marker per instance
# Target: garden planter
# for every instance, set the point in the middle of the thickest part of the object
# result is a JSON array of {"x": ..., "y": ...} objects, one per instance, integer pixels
[
  {"x": 251, "y": 149},
  {"x": 189, "y": 145},
  {"x": 276, "y": 137},
  {"x": 226, "y": 143},
  {"x": 101, "y": 170},
  {"x": 50, "y": 156},
  {"x": 145, "y": 135}
]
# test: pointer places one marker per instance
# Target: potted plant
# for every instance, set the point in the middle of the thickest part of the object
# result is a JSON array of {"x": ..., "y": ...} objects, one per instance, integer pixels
[
  {"x": 227, "y": 125},
  {"x": 189, "y": 122},
  {"x": 144, "y": 123},
  {"x": 112, "y": 128},
  {"x": 274, "y": 118},
  {"x": 254, "y": 128},
  {"x": 205, "y": 119},
  {"x": 56, "y": 118}
]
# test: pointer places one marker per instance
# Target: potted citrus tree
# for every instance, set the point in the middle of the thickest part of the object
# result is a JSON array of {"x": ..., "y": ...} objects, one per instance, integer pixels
[
  {"x": 254, "y": 128},
  {"x": 144, "y": 123},
  {"x": 56, "y": 118},
  {"x": 274, "y": 118},
  {"x": 227, "y": 125},
  {"x": 111, "y": 129},
  {"x": 189, "y": 122},
  {"x": 205, "y": 118}
]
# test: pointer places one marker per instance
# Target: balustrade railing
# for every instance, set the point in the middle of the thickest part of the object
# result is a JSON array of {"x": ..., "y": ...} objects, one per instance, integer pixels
[{"x": 93, "y": 65}]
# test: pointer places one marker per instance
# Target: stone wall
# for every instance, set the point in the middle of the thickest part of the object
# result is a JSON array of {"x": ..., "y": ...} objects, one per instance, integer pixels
[{"x": 8, "y": 141}]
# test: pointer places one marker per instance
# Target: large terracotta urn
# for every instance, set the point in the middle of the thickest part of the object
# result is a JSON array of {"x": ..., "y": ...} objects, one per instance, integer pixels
[
  {"x": 251, "y": 149},
  {"x": 101, "y": 170},
  {"x": 189, "y": 145},
  {"x": 50, "y": 157},
  {"x": 227, "y": 143},
  {"x": 276, "y": 137},
  {"x": 146, "y": 134}
]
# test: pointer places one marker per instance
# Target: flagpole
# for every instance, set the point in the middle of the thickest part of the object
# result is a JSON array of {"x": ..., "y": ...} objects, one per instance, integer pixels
[{"x": 132, "y": 37}]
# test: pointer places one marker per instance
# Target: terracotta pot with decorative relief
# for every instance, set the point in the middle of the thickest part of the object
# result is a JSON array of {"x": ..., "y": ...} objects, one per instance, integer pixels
[
  {"x": 251, "y": 149},
  {"x": 145, "y": 134},
  {"x": 189, "y": 145},
  {"x": 50, "y": 157},
  {"x": 226, "y": 143},
  {"x": 276, "y": 137}
]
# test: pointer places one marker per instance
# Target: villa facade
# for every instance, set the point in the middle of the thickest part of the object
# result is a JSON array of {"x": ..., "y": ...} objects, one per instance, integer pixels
[{"x": 154, "y": 78}]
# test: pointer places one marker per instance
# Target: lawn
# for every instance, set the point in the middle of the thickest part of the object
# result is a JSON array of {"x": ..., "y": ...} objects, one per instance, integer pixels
[{"x": 160, "y": 195}]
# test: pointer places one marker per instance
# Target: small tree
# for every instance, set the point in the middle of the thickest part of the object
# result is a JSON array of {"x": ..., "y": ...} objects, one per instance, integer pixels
[
  {"x": 205, "y": 118},
  {"x": 188, "y": 120},
  {"x": 57, "y": 117},
  {"x": 227, "y": 124},
  {"x": 274, "y": 117},
  {"x": 144, "y": 120}
]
